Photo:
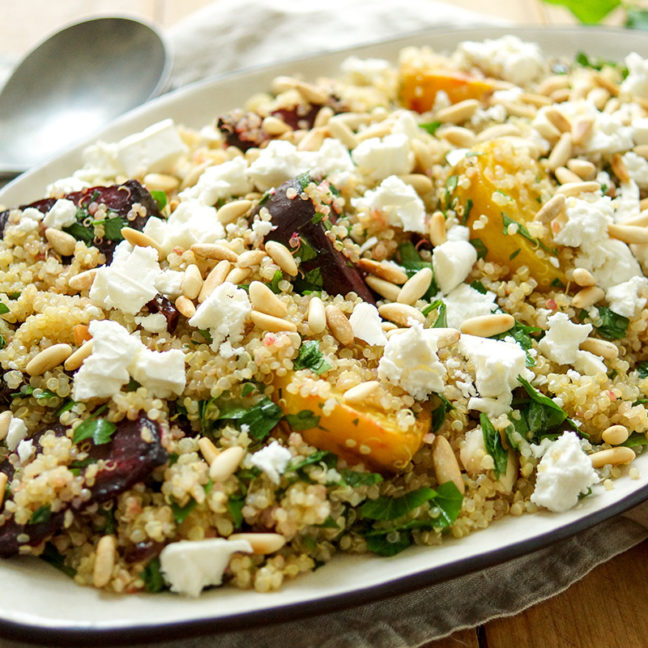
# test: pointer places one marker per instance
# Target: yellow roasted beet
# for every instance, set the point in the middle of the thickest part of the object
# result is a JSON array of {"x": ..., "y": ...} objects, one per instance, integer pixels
[
  {"x": 357, "y": 433},
  {"x": 506, "y": 185},
  {"x": 419, "y": 87}
]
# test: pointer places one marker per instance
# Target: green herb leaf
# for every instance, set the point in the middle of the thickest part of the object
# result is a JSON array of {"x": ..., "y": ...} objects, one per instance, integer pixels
[
  {"x": 99, "y": 430},
  {"x": 152, "y": 577},
  {"x": 3, "y": 308},
  {"x": 355, "y": 478},
  {"x": 248, "y": 388},
  {"x": 235, "y": 504},
  {"x": 613, "y": 326},
  {"x": 392, "y": 508},
  {"x": 523, "y": 335},
  {"x": 524, "y": 233},
  {"x": 439, "y": 413},
  {"x": 181, "y": 513},
  {"x": 160, "y": 198},
  {"x": 260, "y": 417},
  {"x": 467, "y": 210},
  {"x": 53, "y": 557},
  {"x": 40, "y": 515},
  {"x": 379, "y": 543},
  {"x": 479, "y": 287},
  {"x": 113, "y": 227},
  {"x": 274, "y": 284},
  {"x": 80, "y": 232},
  {"x": 493, "y": 444},
  {"x": 478, "y": 244},
  {"x": 319, "y": 456},
  {"x": 589, "y": 12},
  {"x": 642, "y": 369},
  {"x": 431, "y": 127},
  {"x": 310, "y": 357},
  {"x": 304, "y": 420},
  {"x": 65, "y": 407},
  {"x": 412, "y": 262},
  {"x": 635, "y": 439}
]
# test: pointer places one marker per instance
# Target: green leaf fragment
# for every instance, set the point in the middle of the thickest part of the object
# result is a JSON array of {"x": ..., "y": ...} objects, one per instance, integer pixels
[
  {"x": 310, "y": 357},
  {"x": 493, "y": 444}
]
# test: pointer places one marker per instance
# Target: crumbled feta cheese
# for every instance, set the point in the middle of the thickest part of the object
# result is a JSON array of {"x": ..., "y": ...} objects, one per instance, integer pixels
[
  {"x": 190, "y": 566},
  {"x": 154, "y": 323},
  {"x": 626, "y": 203},
  {"x": 219, "y": 182},
  {"x": 224, "y": 313},
  {"x": 609, "y": 135},
  {"x": 458, "y": 233},
  {"x": 62, "y": 213},
  {"x": 410, "y": 361},
  {"x": 636, "y": 83},
  {"x": 161, "y": 372},
  {"x": 129, "y": 281},
  {"x": 465, "y": 302},
  {"x": 367, "y": 71},
  {"x": 629, "y": 297},
  {"x": 100, "y": 159},
  {"x": 611, "y": 262},
  {"x": 455, "y": 156},
  {"x": 452, "y": 262},
  {"x": 30, "y": 220},
  {"x": 397, "y": 201},
  {"x": 564, "y": 473},
  {"x": 366, "y": 324},
  {"x": 25, "y": 450},
  {"x": 497, "y": 365},
  {"x": 16, "y": 433},
  {"x": 640, "y": 130},
  {"x": 272, "y": 460},
  {"x": 169, "y": 283},
  {"x": 67, "y": 185},
  {"x": 637, "y": 167},
  {"x": 379, "y": 158}
]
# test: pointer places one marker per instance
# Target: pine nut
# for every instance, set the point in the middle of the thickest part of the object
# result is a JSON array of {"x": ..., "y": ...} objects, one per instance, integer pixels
[
  {"x": 275, "y": 126},
  {"x": 316, "y": 315},
  {"x": 552, "y": 208},
  {"x": 500, "y": 130},
  {"x": 261, "y": 543},
  {"x": 415, "y": 287},
  {"x": 639, "y": 221},
  {"x": 582, "y": 130},
  {"x": 208, "y": 450},
  {"x": 564, "y": 175},
  {"x": 557, "y": 119},
  {"x": 311, "y": 93},
  {"x": 192, "y": 281},
  {"x": 238, "y": 275},
  {"x": 548, "y": 131},
  {"x": 615, "y": 434},
  {"x": 61, "y": 242},
  {"x": 281, "y": 255},
  {"x": 459, "y": 112},
  {"x": 419, "y": 182},
  {"x": 226, "y": 463},
  {"x": 446, "y": 466},
  {"x": 643, "y": 204},
  {"x": 560, "y": 153},
  {"x": 613, "y": 456},
  {"x": 323, "y": 116},
  {"x": 339, "y": 324},
  {"x": 214, "y": 279},
  {"x": 192, "y": 177},
  {"x": 48, "y": 359},
  {"x": 389, "y": 328},
  {"x": 604, "y": 82},
  {"x": 538, "y": 100},
  {"x": 424, "y": 155},
  {"x": 553, "y": 83},
  {"x": 271, "y": 323},
  {"x": 77, "y": 358},
  {"x": 560, "y": 95},
  {"x": 488, "y": 325},
  {"x": 583, "y": 278},
  {"x": 628, "y": 233},
  {"x": 264, "y": 300},
  {"x": 437, "y": 229},
  {"x": 104, "y": 561},
  {"x": 603, "y": 348},
  {"x": 313, "y": 140},
  {"x": 83, "y": 280},
  {"x": 457, "y": 136},
  {"x": 137, "y": 238},
  {"x": 584, "y": 169},
  {"x": 619, "y": 168},
  {"x": 161, "y": 182},
  {"x": 384, "y": 270},
  {"x": 401, "y": 314},
  {"x": 250, "y": 258},
  {"x": 3, "y": 486},
  {"x": 233, "y": 210},
  {"x": 642, "y": 150},
  {"x": 361, "y": 394},
  {"x": 578, "y": 188},
  {"x": 587, "y": 297},
  {"x": 384, "y": 288},
  {"x": 445, "y": 336},
  {"x": 342, "y": 132},
  {"x": 185, "y": 307},
  {"x": 518, "y": 109},
  {"x": 5, "y": 420},
  {"x": 214, "y": 251},
  {"x": 376, "y": 130}
]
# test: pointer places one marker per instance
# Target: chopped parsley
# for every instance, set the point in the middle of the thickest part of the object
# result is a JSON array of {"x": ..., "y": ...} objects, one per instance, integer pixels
[
  {"x": 524, "y": 233},
  {"x": 152, "y": 577},
  {"x": 642, "y": 369},
  {"x": 3, "y": 308},
  {"x": 40, "y": 515},
  {"x": 98, "y": 429},
  {"x": 160, "y": 199},
  {"x": 431, "y": 127},
  {"x": 479, "y": 245},
  {"x": 493, "y": 444},
  {"x": 613, "y": 326},
  {"x": 524, "y": 336},
  {"x": 53, "y": 557},
  {"x": 412, "y": 262},
  {"x": 304, "y": 420},
  {"x": 310, "y": 357},
  {"x": 439, "y": 413},
  {"x": 260, "y": 416}
]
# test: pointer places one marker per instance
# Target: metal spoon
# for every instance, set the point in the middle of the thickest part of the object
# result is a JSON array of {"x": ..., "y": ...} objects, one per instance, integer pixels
[{"x": 73, "y": 83}]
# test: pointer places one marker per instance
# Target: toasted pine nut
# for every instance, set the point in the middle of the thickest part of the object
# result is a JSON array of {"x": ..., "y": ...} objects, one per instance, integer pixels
[
  {"x": 261, "y": 543},
  {"x": 604, "y": 82},
  {"x": 250, "y": 258},
  {"x": 578, "y": 188},
  {"x": 628, "y": 233},
  {"x": 339, "y": 324},
  {"x": 48, "y": 359},
  {"x": 401, "y": 314},
  {"x": 519, "y": 109},
  {"x": 313, "y": 139},
  {"x": 361, "y": 394},
  {"x": 500, "y": 130},
  {"x": 437, "y": 229},
  {"x": 77, "y": 358},
  {"x": 603, "y": 348},
  {"x": 564, "y": 175},
  {"x": 3, "y": 485},
  {"x": 613, "y": 456},
  {"x": 83, "y": 280},
  {"x": 584, "y": 169},
  {"x": 281, "y": 255},
  {"x": 415, "y": 287},
  {"x": 61, "y": 242},
  {"x": 615, "y": 434},
  {"x": 552, "y": 208},
  {"x": 375, "y": 130},
  {"x": 311, "y": 93},
  {"x": 446, "y": 466},
  {"x": 226, "y": 463},
  {"x": 583, "y": 278},
  {"x": 388, "y": 328},
  {"x": 639, "y": 221},
  {"x": 316, "y": 315},
  {"x": 237, "y": 275},
  {"x": 643, "y": 204},
  {"x": 192, "y": 281},
  {"x": 642, "y": 150},
  {"x": 587, "y": 297},
  {"x": 384, "y": 270},
  {"x": 548, "y": 131},
  {"x": 425, "y": 158},
  {"x": 104, "y": 561},
  {"x": 459, "y": 112},
  {"x": 192, "y": 177},
  {"x": 619, "y": 168},
  {"x": 582, "y": 130},
  {"x": 5, "y": 420},
  {"x": 264, "y": 300},
  {"x": 445, "y": 336},
  {"x": 534, "y": 99},
  {"x": 271, "y": 323},
  {"x": 275, "y": 126},
  {"x": 214, "y": 279},
  {"x": 342, "y": 132},
  {"x": 419, "y": 181},
  {"x": 137, "y": 238},
  {"x": 457, "y": 136},
  {"x": 384, "y": 288},
  {"x": 185, "y": 306},
  {"x": 161, "y": 182},
  {"x": 214, "y": 251},
  {"x": 560, "y": 95},
  {"x": 208, "y": 450},
  {"x": 561, "y": 152},
  {"x": 553, "y": 83},
  {"x": 80, "y": 334},
  {"x": 598, "y": 96},
  {"x": 557, "y": 118},
  {"x": 233, "y": 210},
  {"x": 488, "y": 325},
  {"x": 323, "y": 116}
]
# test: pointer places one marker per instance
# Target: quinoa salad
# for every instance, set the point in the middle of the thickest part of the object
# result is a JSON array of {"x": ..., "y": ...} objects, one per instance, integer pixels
[{"x": 354, "y": 315}]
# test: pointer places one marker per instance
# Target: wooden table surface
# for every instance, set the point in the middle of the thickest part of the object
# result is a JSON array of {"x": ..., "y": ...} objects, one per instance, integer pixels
[{"x": 604, "y": 609}]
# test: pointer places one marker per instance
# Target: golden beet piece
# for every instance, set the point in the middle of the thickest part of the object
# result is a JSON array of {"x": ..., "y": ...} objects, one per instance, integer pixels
[
  {"x": 506, "y": 186},
  {"x": 357, "y": 433},
  {"x": 419, "y": 87}
]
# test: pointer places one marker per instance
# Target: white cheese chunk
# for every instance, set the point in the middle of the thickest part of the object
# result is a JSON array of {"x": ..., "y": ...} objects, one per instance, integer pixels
[
  {"x": 272, "y": 460},
  {"x": 190, "y": 566},
  {"x": 636, "y": 83},
  {"x": 16, "y": 433},
  {"x": 61, "y": 214},
  {"x": 219, "y": 182},
  {"x": 154, "y": 323},
  {"x": 30, "y": 220},
  {"x": 366, "y": 324},
  {"x": 465, "y": 302},
  {"x": 640, "y": 130},
  {"x": 379, "y": 158},
  {"x": 452, "y": 262},
  {"x": 161, "y": 372},
  {"x": 629, "y": 297},
  {"x": 169, "y": 283},
  {"x": 637, "y": 167},
  {"x": 410, "y": 361},
  {"x": 564, "y": 473},
  {"x": 25, "y": 450}
]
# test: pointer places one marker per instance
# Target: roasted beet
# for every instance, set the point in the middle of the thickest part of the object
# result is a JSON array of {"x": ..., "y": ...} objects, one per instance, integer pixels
[
  {"x": 243, "y": 129},
  {"x": 160, "y": 304},
  {"x": 294, "y": 218},
  {"x": 298, "y": 117},
  {"x": 142, "y": 551}
]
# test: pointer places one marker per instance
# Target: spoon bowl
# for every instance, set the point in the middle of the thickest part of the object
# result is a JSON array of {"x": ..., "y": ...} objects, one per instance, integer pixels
[{"x": 75, "y": 82}]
